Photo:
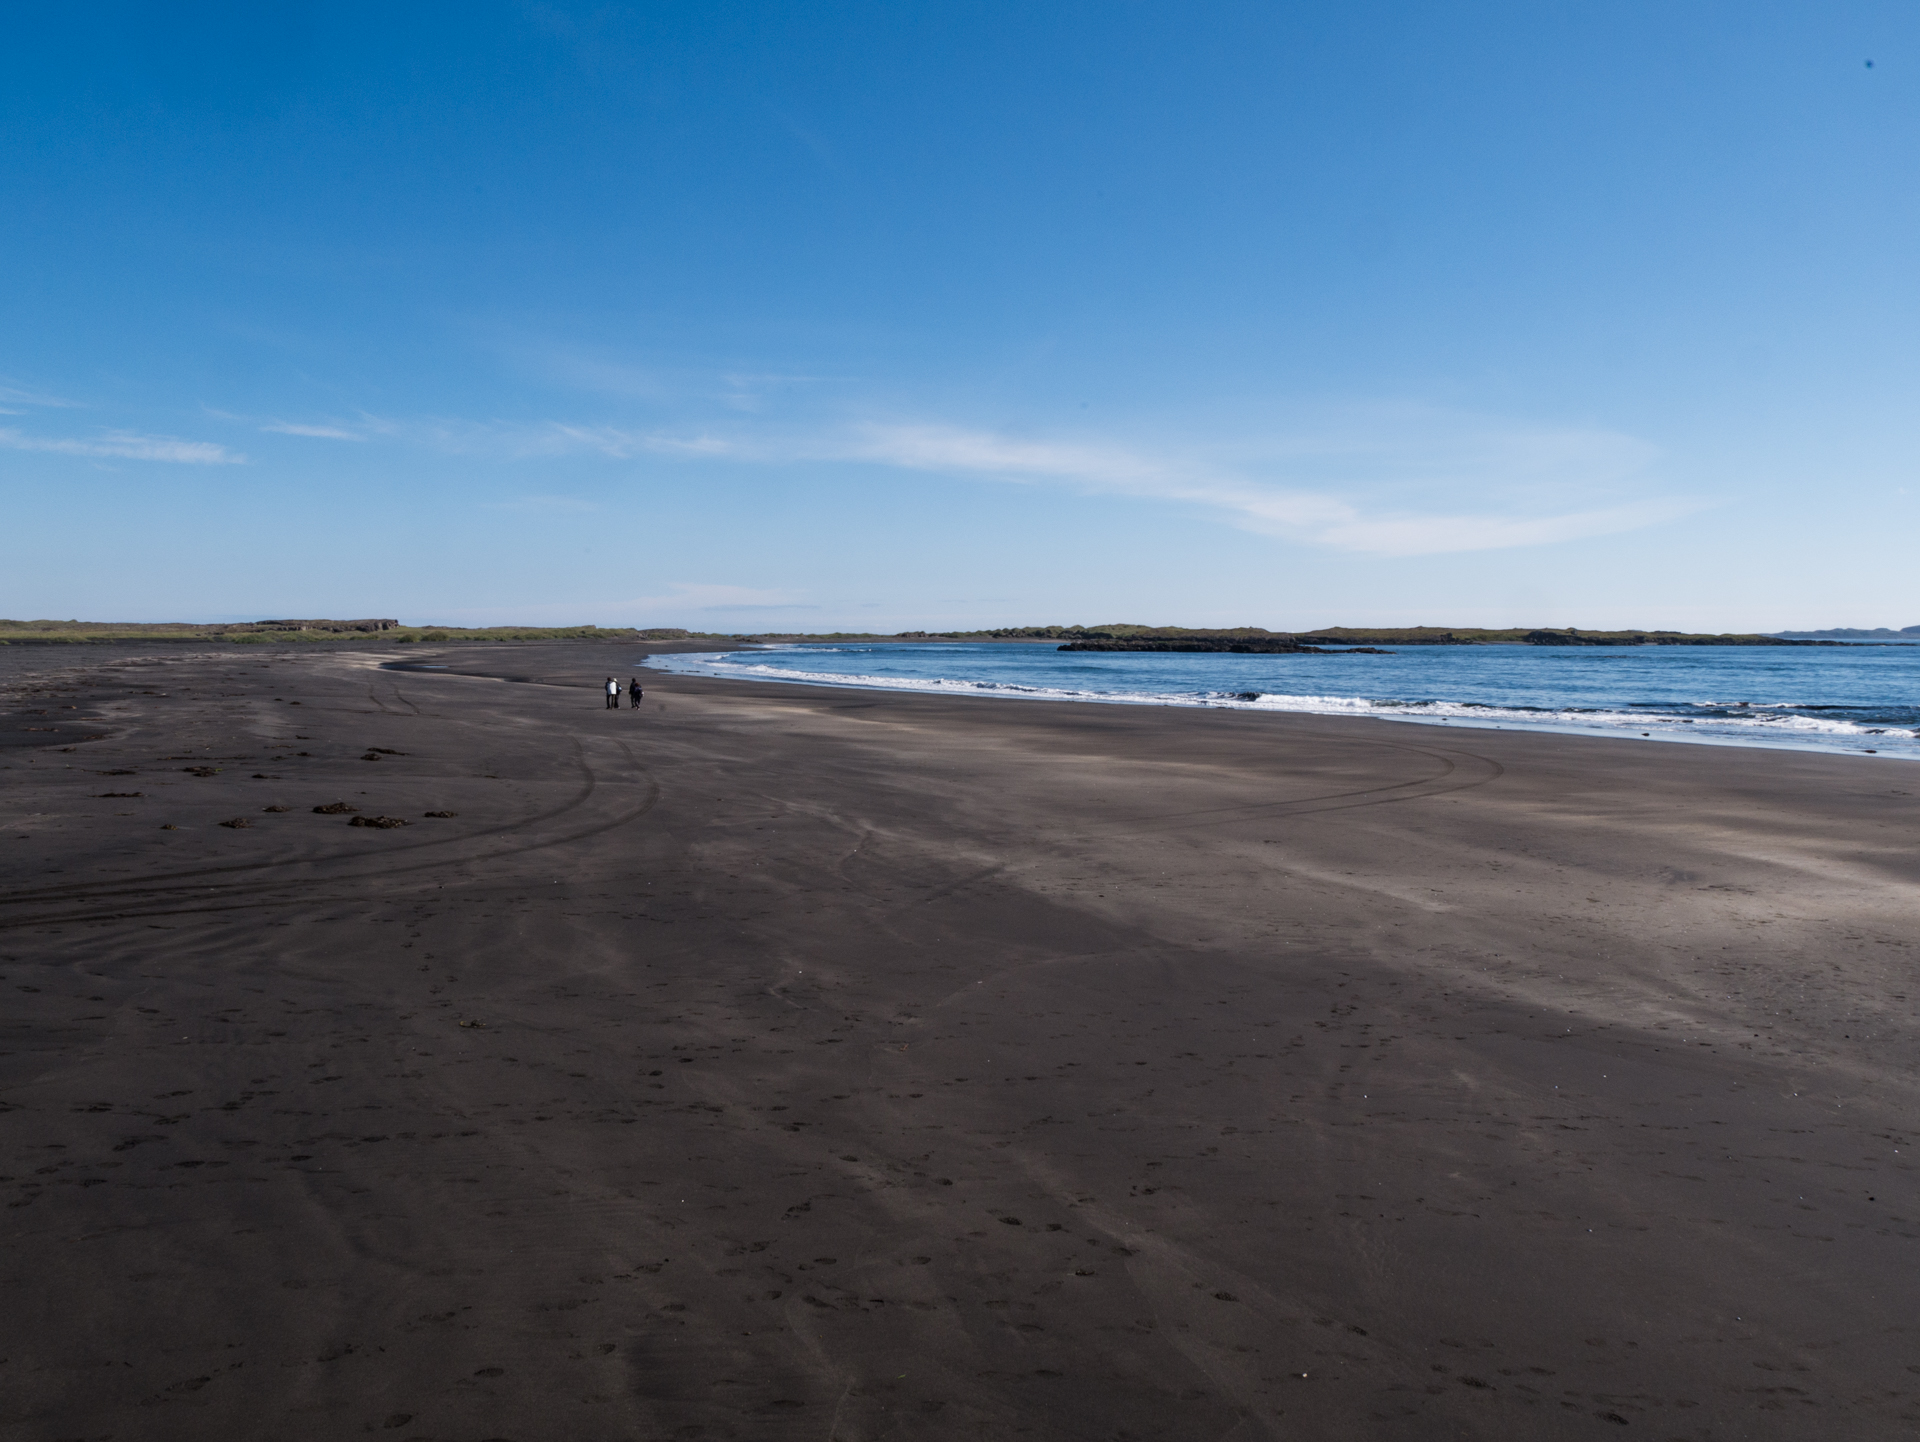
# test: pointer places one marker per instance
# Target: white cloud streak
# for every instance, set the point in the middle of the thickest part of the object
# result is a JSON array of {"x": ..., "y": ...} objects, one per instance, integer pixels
[
  {"x": 541, "y": 503},
  {"x": 683, "y": 600},
  {"x": 514, "y": 442},
  {"x": 14, "y": 396},
  {"x": 1383, "y": 481},
  {"x": 325, "y": 433},
  {"x": 127, "y": 446},
  {"x": 1551, "y": 460}
]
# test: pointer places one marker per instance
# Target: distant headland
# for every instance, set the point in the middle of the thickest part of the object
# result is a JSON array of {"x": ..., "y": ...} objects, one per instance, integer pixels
[{"x": 1854, "y": 633}]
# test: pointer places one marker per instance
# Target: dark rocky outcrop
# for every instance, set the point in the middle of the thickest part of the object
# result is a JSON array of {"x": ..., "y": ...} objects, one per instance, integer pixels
[{"x": 1277, "y": 646}]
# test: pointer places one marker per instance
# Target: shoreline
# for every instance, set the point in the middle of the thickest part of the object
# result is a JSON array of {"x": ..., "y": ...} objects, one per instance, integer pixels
[
  {"x": 1224, "y": 701},
  {"x": 782, "y": 1059}
]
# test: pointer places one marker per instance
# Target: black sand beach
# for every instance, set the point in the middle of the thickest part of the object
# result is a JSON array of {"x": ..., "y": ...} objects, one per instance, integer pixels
[{"x": 780, "y": 1062}]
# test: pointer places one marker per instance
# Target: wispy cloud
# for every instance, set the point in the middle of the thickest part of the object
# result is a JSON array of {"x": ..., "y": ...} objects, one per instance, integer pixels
[
  {"x": 622, "y": 444},
  {"x": 1391, "y": 480},
  {"x": 15, "y": 396},
  {"x": 325, "y": 433},
  {"x": 682, "y": 601},
  {"x": 1435, "y": 535},
  {"x": 1520, "y": 465},
  {"x": 514, "y": 441},
  {"x": 541, "y": 503},
  {"x": 747, "y": 389},
  {"x": 1387, "y": 482},
  {"x": 126, "y": 445}
]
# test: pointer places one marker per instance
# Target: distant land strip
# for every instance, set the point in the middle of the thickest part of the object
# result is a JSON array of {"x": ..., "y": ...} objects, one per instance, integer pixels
[
  {"x": 1116, "y": 636},
  {"x": 277, "y": 632}
]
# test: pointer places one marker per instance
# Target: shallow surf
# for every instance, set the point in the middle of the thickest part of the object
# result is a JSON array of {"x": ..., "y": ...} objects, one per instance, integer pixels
[{"x": 1854, "y": 699}]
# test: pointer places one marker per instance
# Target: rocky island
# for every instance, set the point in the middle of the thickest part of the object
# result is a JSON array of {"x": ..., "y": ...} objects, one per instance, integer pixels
[{"x": 1260, "y": 646}]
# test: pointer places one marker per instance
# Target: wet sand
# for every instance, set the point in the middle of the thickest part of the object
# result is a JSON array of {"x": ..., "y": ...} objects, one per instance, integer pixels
[{"x": 781, "y": 1062}]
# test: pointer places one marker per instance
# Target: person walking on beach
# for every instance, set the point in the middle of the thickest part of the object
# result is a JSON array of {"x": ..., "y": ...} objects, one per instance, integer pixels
[
  {"x": 634, "y": 693},
  {"x": 613, "y": 694}
]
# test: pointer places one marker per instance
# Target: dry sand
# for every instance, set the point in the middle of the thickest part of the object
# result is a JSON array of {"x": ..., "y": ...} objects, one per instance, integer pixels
[{"x": 781, "y": 1062}]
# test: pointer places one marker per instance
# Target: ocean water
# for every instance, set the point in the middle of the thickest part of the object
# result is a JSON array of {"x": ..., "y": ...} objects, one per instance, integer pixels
[{"x": 1829, "y": 698}]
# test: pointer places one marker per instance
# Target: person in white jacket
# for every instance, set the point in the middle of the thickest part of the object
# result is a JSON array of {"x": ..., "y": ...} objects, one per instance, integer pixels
[{"x": 613, "y": 694}]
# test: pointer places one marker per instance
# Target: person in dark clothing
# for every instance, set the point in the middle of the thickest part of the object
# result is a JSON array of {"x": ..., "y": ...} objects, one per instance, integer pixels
[
  {"x": 613, "y": 694},
  {"x": 634, "y": 693}
]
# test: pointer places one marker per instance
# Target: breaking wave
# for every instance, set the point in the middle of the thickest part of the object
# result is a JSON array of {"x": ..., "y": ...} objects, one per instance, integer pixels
[{"x": 1645, "y": 697}]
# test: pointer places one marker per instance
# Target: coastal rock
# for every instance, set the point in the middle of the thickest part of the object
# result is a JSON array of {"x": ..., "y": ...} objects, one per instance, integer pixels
[
  {"x": 335, "y": 808},
  {"x": 238, "y": 823},
  {"x": 1278, "y": 646},
  {"x": 384, "y": 823}
]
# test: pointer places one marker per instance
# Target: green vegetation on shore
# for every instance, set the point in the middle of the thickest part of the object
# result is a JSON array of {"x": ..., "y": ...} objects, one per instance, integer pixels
[{"x": 282, "y": 632}]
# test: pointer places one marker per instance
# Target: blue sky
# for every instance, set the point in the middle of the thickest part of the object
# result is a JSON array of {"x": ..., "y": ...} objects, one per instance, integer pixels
[{"x": 810, "y": 316}]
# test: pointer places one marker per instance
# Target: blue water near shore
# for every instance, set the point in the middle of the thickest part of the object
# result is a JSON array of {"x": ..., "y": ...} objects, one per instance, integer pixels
[{"x": 1838, "y": 698}]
